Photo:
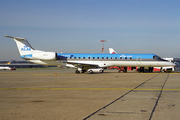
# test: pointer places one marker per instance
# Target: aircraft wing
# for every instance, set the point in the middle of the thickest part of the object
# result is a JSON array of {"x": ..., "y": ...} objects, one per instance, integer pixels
[{"x": 76, "y": 64}]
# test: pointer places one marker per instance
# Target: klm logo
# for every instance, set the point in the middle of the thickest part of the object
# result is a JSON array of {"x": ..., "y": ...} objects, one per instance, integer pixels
[{"x": 26, "y": 48}]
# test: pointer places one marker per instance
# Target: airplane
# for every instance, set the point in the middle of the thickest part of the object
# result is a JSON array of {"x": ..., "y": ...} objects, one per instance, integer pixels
[
  {"x": 6, "y": 68},
  {"x": 85, "y": 61}
]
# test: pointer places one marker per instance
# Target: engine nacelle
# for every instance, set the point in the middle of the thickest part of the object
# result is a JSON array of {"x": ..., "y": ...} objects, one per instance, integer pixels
[{"x": 45, "y": 55}]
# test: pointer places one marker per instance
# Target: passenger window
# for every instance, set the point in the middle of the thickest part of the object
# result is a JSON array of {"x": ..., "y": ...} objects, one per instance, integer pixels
[
  {"x": 106, "y": 57},
  {"x": 83, "y": 57},
  {"x": 111, "y": 57},
  {"x": 79, "y": 57},
  {"x": 93, "y": 57},
  {"x": 102, "y": 57},
  {"x": 120, "y": 57},
  {"x": 97, "y": 57},
  {"x": 74, "y": 57},
  {"x": 89, "y": 57},
  {"x": 130, "y": 57},
  {"x": 125, "y": 57},
  {"x": 115, "y": 57}
]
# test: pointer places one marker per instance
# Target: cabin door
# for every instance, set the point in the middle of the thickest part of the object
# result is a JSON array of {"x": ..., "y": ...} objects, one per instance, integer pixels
[{"x": 138, "y": 60}]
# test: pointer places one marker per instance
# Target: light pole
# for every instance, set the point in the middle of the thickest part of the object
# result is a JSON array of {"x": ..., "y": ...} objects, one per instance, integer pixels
[{"x": 102, "y": 44}]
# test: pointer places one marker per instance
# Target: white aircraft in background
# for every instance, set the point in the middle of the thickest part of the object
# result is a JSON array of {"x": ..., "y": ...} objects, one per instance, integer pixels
[
  {"x": 6, "y": 68},
  {"x": 85, "y": 61},
  {"x": 112, "y": 51}
]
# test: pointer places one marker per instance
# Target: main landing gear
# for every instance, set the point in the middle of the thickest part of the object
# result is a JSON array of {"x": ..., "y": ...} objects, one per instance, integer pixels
[
  {"x": 145, "y": 69},
  {"x": 122, "y": 69},
  {"x": 78, "y": 71}
]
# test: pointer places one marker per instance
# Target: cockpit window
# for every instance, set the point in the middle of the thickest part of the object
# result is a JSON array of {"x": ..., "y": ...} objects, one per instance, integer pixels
[{"x": 156, "y": 57}]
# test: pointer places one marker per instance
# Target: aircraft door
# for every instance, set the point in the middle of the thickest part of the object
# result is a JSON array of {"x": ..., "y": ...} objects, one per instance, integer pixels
[{"x": 138, "y": 60}]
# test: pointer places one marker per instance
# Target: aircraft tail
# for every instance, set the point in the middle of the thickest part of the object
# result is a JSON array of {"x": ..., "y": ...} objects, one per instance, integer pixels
[
  {"x": 112, "y": 51},
  {"x": 23, "y": 46},
  {"x": 28, "y": 52}
]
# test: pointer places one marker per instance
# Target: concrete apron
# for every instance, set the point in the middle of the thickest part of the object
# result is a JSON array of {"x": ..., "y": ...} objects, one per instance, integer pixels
[{"x": 145, "y": 102}]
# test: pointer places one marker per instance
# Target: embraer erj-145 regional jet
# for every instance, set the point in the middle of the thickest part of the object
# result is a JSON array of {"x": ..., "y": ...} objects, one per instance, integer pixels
[{"x": 85, "y": 61}]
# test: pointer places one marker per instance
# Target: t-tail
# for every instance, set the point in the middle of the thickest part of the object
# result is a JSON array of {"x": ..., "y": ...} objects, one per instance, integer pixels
[{"x": 26, "y": 51}]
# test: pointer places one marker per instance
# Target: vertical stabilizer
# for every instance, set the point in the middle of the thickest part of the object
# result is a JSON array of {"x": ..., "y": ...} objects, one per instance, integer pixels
[
  {"x": 23, "y": 46},
  {"x": 27, "y": 52},
  {"x": 112, "y": 51}
]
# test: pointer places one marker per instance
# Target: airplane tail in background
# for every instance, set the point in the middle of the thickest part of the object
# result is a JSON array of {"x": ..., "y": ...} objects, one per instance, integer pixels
[
  {"x": 112, "y": 51},
  {"x": 27, "y": 52}
]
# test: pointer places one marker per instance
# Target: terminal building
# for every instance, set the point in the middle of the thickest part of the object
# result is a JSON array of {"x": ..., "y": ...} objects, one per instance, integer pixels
[{"x": 19, "y": 64}]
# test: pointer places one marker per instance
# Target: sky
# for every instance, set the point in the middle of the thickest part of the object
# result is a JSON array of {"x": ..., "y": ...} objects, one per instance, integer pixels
[{"x": 77, "y": 26}]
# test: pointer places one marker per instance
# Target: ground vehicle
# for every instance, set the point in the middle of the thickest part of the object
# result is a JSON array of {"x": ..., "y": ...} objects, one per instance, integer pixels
[
  {"x": 101, "y": 70},
  {"x": 7, "y": 68}
]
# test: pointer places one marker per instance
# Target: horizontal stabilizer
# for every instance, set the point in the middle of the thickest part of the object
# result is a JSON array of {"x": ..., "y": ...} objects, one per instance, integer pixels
[{"x": 17, "y": 38}]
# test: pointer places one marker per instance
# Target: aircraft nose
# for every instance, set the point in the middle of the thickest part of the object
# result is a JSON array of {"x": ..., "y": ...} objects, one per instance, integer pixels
[{"x": 172, "y": 64}]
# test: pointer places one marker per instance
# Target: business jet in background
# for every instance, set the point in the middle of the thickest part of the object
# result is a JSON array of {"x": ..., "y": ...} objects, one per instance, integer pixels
[
  {"x": 141, "y": 69},
  {"x": 6, "y": 68},
  {"x": 85, "y": 61}
]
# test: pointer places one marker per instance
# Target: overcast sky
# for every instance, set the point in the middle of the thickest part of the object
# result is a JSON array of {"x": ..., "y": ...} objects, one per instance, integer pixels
[{"x": 77, "y": 26}]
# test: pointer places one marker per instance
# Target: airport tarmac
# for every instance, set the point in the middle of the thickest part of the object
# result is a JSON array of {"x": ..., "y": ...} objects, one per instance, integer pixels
[{"x": 40, "y": 94}]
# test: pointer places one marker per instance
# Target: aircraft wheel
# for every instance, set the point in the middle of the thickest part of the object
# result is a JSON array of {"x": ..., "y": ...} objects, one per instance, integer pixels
[
  {"x": 141, "y": 69},
  {"x": 90, "y": 71},
  {"x": 150, "y": 69},
  {"x": 162, "y": 70},
  {"x": 125, "y": 70},
  {"x": 77, "y": 71}
]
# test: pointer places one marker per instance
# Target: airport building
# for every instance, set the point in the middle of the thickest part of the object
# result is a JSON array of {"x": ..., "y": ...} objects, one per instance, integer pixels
[{"x": 19, "y": 64}]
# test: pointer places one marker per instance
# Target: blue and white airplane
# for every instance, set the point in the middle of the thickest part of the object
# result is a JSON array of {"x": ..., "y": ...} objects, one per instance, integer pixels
[{"x": 85, "y": 61}]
